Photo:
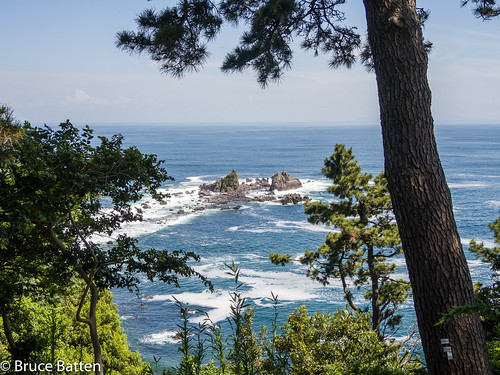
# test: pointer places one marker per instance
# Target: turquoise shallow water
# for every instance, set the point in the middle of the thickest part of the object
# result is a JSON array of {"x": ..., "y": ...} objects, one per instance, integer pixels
[{"x": 201, "y": 153}]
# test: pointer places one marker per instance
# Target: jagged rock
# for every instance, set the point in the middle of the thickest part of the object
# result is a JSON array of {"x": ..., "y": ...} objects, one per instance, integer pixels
[
  {"x": 264, "y": 198},
  {"x": 263, "y": 182},
  {"x": 284, "y": 181},
  {"x": 291, "y": 199},
  {"x": 180, "y": 212},
  {"x": 223, "y": 185},
  {"x": 226, "y": 198},
  {"x": 228, "y": 190}
]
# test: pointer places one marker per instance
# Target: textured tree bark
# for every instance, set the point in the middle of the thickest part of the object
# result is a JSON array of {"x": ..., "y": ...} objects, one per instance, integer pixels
[{"x": 438, "y": 270}]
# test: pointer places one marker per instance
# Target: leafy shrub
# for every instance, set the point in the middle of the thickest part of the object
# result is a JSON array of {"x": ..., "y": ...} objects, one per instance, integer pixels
[
  {"x": 338, "y": 344},
  {"x": 47, "y": 332},
  {"x": 344, "y": 343}
]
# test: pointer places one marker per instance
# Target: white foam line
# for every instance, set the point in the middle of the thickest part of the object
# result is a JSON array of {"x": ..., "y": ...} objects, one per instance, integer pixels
[
  {"x": 198, "y": 180},
  {"x": 214, "y": 270},
  {"x": 310, "y": 186},
  {"x": 262, "y": 230},
  {"x": 288, "y": 286},
  {"x": 476, "y": 263},
  {"x": 157, "y": 216},
  {"x": 472, "y": 184},
  {"x": 217, "y": 303},
  {"x": 282, "y": 226},
  {"x": 493, "y": 203},
  {"x": 161, "y": 338},
  {"x": 488, "y": 243},
  {"x": 303, "y": 225}
]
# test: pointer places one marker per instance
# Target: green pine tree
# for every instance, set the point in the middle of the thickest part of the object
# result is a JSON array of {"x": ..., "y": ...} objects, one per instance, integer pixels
[{"x": 364, "y": 240}]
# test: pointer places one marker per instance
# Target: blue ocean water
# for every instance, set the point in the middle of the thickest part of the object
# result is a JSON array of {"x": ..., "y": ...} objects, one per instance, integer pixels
[{"x": 195, "y": 154}]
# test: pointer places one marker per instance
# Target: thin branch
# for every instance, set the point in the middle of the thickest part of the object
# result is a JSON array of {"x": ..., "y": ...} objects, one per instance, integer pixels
[{"x": 82, "y": 302}]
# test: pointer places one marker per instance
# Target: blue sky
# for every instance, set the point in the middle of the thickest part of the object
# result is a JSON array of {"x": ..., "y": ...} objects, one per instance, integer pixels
[{"x": 59, "y": 62}]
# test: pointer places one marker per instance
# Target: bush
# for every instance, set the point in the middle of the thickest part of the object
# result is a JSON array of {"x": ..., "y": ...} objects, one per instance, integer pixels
[
  {"x": 338, "y": 344},
  {"x": 46, "y": 332}
]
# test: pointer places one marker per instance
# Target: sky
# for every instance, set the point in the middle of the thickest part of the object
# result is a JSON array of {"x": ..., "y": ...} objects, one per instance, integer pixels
[{"x": 59, "y": 61}]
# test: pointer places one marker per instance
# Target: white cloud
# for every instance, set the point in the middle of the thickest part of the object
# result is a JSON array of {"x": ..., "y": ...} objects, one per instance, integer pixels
[{"x": 80, "y": 96}]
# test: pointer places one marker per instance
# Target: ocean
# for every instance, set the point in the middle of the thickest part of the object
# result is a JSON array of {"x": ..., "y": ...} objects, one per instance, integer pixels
[{"x": 196, "y": 154}]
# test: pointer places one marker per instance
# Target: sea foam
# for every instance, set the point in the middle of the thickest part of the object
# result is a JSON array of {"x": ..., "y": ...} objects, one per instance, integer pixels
[{"x": 161, "y": 338}]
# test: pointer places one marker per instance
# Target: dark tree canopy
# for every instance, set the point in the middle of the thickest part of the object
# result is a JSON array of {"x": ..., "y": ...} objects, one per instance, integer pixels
[
  {"x": 485, "y": 9},
  {"x": 70, "y": 187},
  {"x": 177, "y": 37},
  {"x": 64, "y": 188}
]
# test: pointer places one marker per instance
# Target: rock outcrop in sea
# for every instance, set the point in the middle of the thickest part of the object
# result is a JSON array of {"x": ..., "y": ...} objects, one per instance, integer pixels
[
  {"x": 223, "y": 185},
  {"x": 284, "y": 181},
  {"x": 229, "y": 189},
  {"x": 292, "y": 199}
]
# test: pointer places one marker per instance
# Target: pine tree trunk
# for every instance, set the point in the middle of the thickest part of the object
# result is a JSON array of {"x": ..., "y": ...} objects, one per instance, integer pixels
[{"x": 438, "y": 270}]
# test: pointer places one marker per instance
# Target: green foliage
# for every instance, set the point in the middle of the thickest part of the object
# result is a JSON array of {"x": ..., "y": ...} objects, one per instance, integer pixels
[
  {"x": 177, "y": 36},
  {"x": 61, "y": 183},
  {"x": 485, "y": 9},
  {"x": 10, "y": 134},
  {"x": 339, "y": 344},
  {"x": 273, "y": 361},
  {"x": 46, "y": 331},
  {"x": 342, "y": 343},
  {"x": 228, "y": 183},
  {"x": 244, "y": 352},
  {"x": 280, "y": 259},
  {"x": 494, "y": 355},
  {"x": 192, "y": 346},
  {"x": 365, "y": 238},
  {"x": 487, "y": 298},
  {"x": 65, "y": 189},
  {"x": 218, "y": 344}
]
